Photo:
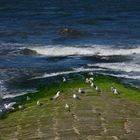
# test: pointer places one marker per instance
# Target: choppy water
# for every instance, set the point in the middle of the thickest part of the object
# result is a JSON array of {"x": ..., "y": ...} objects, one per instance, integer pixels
[{"x": 67, "y": 37}]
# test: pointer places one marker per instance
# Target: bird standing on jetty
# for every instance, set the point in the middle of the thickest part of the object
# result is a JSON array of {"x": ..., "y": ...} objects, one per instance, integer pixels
[
  {"x": 28, "y": 98},
  {"x": 10, "y": 106},
  {"x": 90, "y": 73},
  {"x": 67, "y": 107},
  {"x": 56, "y": 96},
  {"x": 114, "y": 90},
  {"x": 20, "y": 107},
  {"x": 91, "y": 79},
  {"x": 97, "y": 88},
  {"x": 81, "y": 91},
  {"x": 92, "y": 84},
  {"x": 75, "y": 97},
  {"x": 64, "y": 79},
  {"x": 38, "y": 103},
  {"x": 87, "y": 81}
]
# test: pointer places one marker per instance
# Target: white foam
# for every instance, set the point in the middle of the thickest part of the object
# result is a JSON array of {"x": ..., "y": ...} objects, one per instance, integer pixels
[
  {"x": 75, "y": 70},
  {"x": 61, "y": 51},
  {"x": 82, "y": 69},
  {"x": 126, "y": 67},
  {"x": 115, "y": 75},
  {"x": 7, "y": 96},
  {"x": 46, "y": 75},
  {"x": 123, "y": 76},
  {"x": 3, "y": 89}
]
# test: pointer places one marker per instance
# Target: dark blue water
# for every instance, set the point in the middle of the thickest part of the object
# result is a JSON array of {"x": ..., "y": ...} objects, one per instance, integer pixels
[
  {"x": 67, "y": 36},
  {"x": 38, "y": 22}
]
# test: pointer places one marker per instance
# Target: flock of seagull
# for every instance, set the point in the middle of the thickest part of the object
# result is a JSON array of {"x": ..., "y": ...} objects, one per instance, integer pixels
[{"x": 90, "y": 81}]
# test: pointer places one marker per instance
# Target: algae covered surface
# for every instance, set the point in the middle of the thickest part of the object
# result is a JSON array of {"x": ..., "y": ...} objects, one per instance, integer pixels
[{"x": 96, "y": 116}]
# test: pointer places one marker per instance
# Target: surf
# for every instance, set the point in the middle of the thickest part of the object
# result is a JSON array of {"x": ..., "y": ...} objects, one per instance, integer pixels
[{"x": 95, "y": 50}]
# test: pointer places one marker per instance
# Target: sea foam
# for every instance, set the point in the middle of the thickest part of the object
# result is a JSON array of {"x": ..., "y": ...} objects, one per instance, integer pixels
[
  {"x": 126, "y": 67},
  {"x": 61, "y": 51}
]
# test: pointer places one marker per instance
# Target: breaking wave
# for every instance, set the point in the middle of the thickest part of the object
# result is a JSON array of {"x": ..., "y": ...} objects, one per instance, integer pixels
[
  {"x": 75, "y": 70},
  {"x": 82, "y": 69},
  {"x": 123, "y": 76},
  {"x": 126, "y": 67},
  {"x": 7, "y": 96},
  {"x": 61, "y": 51}
]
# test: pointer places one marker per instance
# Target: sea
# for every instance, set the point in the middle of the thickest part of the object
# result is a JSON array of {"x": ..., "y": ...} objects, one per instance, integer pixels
[{"x": 41, "y": 39}]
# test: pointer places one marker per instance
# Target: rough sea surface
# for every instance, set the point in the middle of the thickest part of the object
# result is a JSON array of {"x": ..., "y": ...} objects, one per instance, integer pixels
[{"x": 44, "y": 38}]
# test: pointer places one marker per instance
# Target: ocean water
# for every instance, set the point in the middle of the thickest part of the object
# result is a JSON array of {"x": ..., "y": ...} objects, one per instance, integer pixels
[{"x": 66, "y": 37}]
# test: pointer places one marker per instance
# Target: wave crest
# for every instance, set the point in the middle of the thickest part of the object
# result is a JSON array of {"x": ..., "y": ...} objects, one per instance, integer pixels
[
  {"x": 126, "y": 67},
  {"x": 61, "y": 51}
]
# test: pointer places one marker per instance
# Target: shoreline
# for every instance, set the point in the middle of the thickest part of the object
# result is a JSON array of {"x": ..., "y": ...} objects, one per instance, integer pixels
[
  {"x": 58, "y": 84},
  {"x": 71, "y": 77}
]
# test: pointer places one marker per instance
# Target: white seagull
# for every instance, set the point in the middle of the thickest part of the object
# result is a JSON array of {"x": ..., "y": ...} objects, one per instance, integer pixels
[
  {"x": 56, "y": 96},
  {"x": 75, "y": 97},
  {"x": 64, "y": 79},
  {"x": 67, "y": 107},
  {"x": 97, "y": 89},
  {"x": 92, "y": 84},
  {"x": 10, "y": 106},
  {"x": 20, "y": 107},
  {"x": 112, "y": 88},
  {"x": 91, "y": 79},
  {"x": 115, "y": 91},
  {"x": 81, "y": 90},
  {"x": 38, "y": 103},
  {"x": 90, "y": 73},
  {"x": 28, "y": 98},
  {"x": 87, "y": 81}
]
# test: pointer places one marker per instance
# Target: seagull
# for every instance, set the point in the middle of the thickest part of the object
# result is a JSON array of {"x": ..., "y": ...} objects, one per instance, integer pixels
[
  {"x": 97, "y": 89},
  {"x": 64, "y": 79},
  {"x": 115, "y": 91},
  {"x": 28, "y": 98},
  {"x": 81, "y": 90},
  {"x": 67, "y": 107},
  {"x": 10, "y": 106},
  {"x": 92, "y": 84},
  {"x": 56, "y": 95},
  {"x": 112, "y": 88},
  {"x": 39, "y": 103},
  {"x": 91, "y": 79},
  {"x": 87, "y": 81},
  {"x": 90, "y": 73},
  {"x": 20, "y": 107},
  {"x": 75, "y": 97}
]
